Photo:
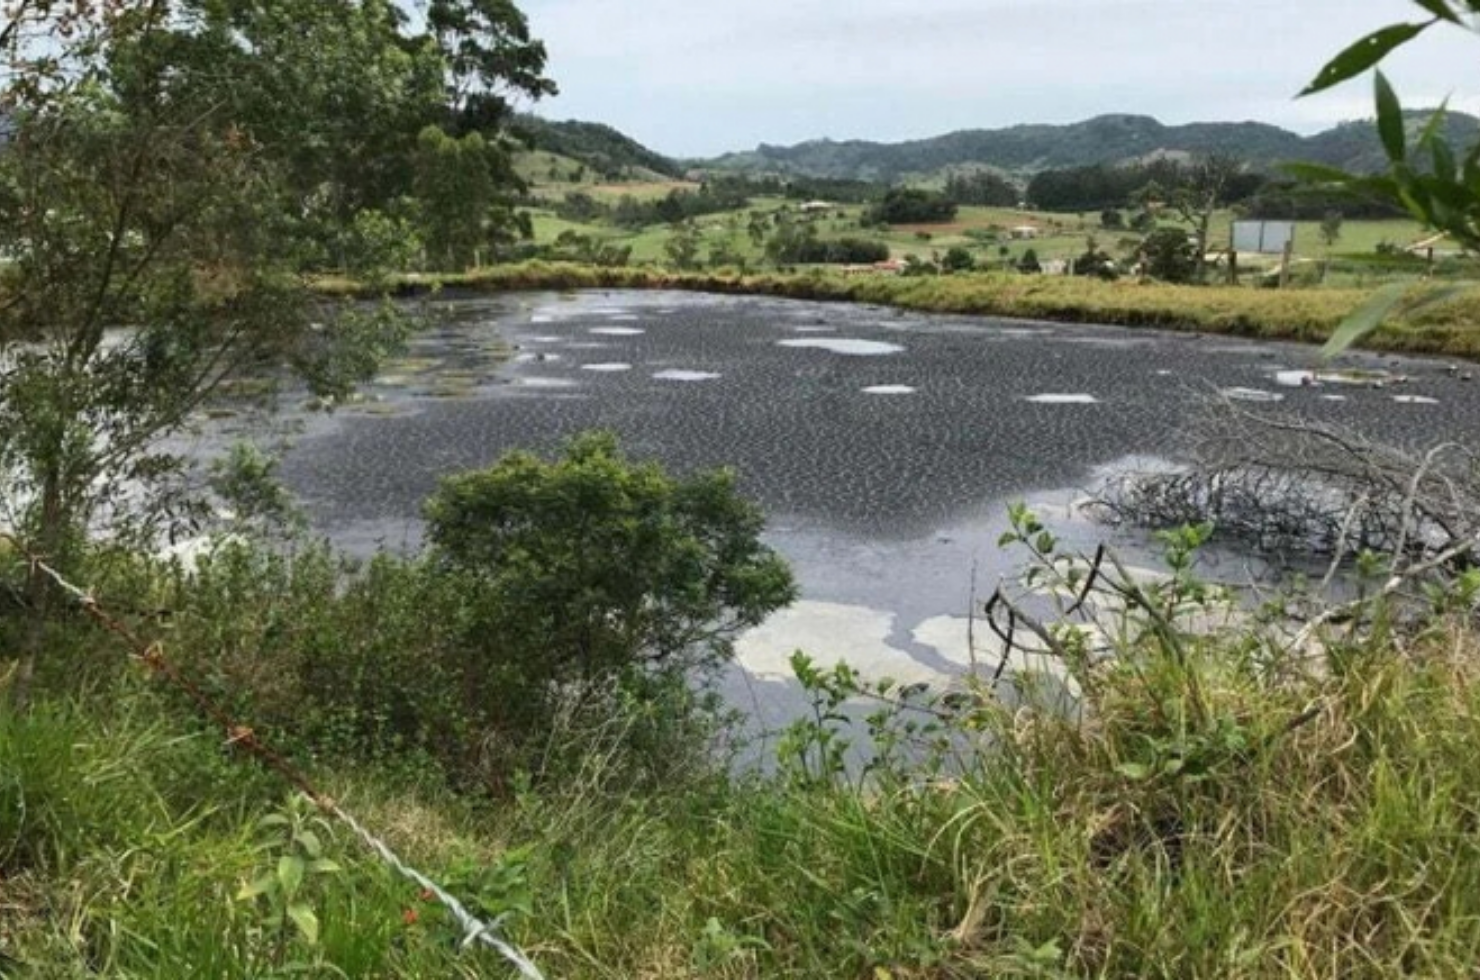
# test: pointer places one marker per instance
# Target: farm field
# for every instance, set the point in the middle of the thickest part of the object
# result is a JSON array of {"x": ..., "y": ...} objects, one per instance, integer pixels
[{"x": 984, "y": 232}]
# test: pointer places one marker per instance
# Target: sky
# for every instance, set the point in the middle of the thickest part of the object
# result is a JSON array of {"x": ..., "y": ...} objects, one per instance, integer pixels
[{"x": 697, "y": 78}]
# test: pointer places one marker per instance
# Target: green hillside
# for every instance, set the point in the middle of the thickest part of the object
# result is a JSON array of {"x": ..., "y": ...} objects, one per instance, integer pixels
[
  {"x": 604, "y": 150},
  {"x": 1104, "y": 139}
]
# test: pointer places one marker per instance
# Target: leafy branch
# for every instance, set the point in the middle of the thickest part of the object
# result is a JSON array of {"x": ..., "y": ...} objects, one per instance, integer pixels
[{"x": 1436, "y": 182}]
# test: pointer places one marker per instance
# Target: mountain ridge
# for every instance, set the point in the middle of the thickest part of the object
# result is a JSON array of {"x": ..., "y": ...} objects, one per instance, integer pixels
[{"x": 1112, "y": 138}]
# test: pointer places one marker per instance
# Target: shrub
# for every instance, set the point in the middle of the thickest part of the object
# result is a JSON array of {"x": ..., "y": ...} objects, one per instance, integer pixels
[
  {"x": 957, "y": 259},
  {"x": 561, "y": 603},
  {"x": 590, "y": 566},
  {"x": 1169, "y": 255}
]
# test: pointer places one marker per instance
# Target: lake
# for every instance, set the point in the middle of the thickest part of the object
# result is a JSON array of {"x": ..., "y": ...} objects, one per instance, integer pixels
[{"x": 883, "y": 445}]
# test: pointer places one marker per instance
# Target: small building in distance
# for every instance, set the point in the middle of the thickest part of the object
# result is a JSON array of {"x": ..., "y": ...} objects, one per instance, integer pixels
[
  {"x": 1025, "y": 232},
  {"x": 816, "y": 207}
]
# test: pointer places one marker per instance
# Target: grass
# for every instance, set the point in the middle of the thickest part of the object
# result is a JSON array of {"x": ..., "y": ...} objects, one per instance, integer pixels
[
  {"x": 1305, "y": 314},
  {"x": 1202, "y": 823}
]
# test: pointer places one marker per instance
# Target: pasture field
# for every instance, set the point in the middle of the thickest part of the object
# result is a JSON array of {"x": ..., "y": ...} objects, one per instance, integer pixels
[{"x": 985, "y": 232}]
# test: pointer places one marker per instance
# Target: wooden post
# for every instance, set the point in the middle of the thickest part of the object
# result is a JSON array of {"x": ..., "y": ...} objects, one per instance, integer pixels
[
  {"x": 1285, "y": 264},
  {"x": 1232, "y": 267}
]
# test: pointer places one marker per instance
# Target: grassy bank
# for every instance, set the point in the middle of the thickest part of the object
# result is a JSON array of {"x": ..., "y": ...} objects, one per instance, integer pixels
[
  {"x": 1208, "y": 823},
  {"x": 1451, "y": 327},
  {"x": 1222, "y": 806}
]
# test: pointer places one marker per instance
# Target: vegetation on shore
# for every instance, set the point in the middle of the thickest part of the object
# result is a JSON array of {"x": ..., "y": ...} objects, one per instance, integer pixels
[
  {"x": 1450, "y": 327},
  {"x": 1220, "y": 805}
]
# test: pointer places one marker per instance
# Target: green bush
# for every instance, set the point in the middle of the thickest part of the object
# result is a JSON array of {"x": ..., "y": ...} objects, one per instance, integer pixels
[
  {"x": 1170, "y": 255},
  {"x": 563, "y": 606},
  {"x": 590, "y": 566},
  {"x": 957, "y": 259}
]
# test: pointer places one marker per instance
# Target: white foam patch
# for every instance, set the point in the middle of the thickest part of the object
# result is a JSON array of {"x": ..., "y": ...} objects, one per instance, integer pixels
[
  {"x": 1252, "y": 395},
  {"x": 1064, "y": 399},
  {"x": 535, "y": 358},
  {"x": 612, "y": 368},
  {"x": 1333, "y": 398},
  {"x": 1415, "y": 400},
  {"x": 889, "y": 390},
  {"x": 830, "y": 633},
  {"x": 618, "y": 331},
  {"x": 541, "y": 339},
  {"x": 545, "y": 383},
  {"x": 542, "y": 318},
  {"x": 815, "y": 329},
  {"x": 841, "y": 345},
  {"x": 676, "y": 375},
  {"x": 956, "y": 639}
]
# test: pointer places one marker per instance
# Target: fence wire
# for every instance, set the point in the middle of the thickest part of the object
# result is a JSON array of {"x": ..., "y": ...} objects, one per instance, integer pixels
[{"x": 151, "y": 656}]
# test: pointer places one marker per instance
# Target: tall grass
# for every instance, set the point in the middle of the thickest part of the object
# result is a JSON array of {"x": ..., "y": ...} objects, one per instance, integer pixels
[{"x": 1218, "y": 811}]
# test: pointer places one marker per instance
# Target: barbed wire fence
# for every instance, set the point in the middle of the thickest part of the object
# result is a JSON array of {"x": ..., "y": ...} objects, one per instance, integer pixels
[{"x": 152, "y": 657}]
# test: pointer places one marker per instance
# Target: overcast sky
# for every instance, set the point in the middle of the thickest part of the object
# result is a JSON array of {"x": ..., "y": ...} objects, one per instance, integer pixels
[{"x": 700, "y": 77}]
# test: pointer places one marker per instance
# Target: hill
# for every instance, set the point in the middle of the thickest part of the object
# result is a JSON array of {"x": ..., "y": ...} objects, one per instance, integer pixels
[
  {"x": 1109, "y": 139},
  {"x": 609, "y": 153}
]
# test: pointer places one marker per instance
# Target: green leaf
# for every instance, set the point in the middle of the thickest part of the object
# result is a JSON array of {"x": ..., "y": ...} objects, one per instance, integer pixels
[
  {"x": 309, "y": 841},
  {"x": 1363, "y": 55},
  {"x": 324, "y": 866},
  {"x": 308, "y": 924},
  {"x": 1435, "y": 296},
  {"x": 1444, "y": 166},
  {"x": 1390, "y": 120},
  {"x": 1134, "y": 770},
  {"x": 1365, "y": 320},
  {"x": 1436, "y": 121},
  {"x": 290, "y": 873},
  {"x": 261, "y": 886},
  {"x": 1440, "y": 9}
]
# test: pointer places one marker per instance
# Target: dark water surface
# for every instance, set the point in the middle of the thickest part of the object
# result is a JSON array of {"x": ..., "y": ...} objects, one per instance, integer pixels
[{"x": 884, "y": 445}]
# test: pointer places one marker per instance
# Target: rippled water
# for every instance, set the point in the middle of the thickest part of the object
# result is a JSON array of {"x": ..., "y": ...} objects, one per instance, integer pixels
[{"x": 883, "y": 445}]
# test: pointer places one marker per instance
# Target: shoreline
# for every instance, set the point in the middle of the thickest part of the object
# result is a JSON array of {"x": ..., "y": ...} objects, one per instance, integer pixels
[{"x": 1451, "y": 327}]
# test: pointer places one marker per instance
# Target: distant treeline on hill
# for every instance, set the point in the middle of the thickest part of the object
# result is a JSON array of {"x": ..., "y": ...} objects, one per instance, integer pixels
[
  {"x": 1254, "y": 193},
  {"x": 1098, "y": 187},
  {"x": 1110, "y": 139},
  {"x": 674, "y": 207},
  {"x": 605, "y": 150},
  {"x": 836, "y": 191}
]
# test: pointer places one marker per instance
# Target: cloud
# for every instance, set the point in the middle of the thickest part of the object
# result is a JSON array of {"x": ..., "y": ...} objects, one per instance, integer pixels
[{"x": 702, "y": 77}]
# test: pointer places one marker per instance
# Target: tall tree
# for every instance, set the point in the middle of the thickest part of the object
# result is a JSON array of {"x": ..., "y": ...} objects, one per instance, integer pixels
[
  {"x": 167, "y": 175},
  {"x": 490, "y": 57},
  {"x": 332, "y": 91},
  {"x": 462, "y": 210}
]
